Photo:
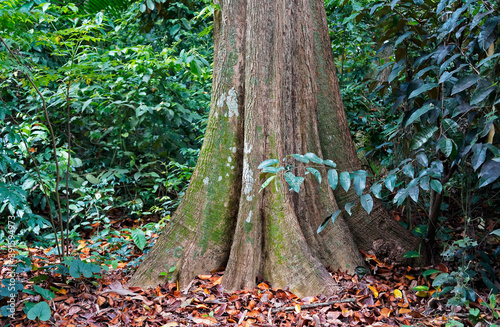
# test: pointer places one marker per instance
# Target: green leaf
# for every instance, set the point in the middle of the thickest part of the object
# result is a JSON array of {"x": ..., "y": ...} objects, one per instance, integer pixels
[
  {"x": 266, "y": 183},
  {"x": 172, "y": 269},
  {"x": 333, "y": 178},
  {"x": 446, "y": 146},
  {"x": 422, "y": 159},
  {"x": 47, "y": 294},
  {"x": 195, "y": 68},
  {"x": 489, "y": 173},
  {"x": 480, "y": 94},
  {"x": 464, "y": 83},
  {"x": 478, "y": 157},
  {"x": 345, "y": 180},
  {"x": 421, "y": 288},
  {"x": 142, "y": 7},
  {"x": 40, "y": 311},
  {"x": 314, "y": 158},
  {"x": 359, "y": 183},
  {"x": 413, "y": 192},
  {"x": 423, "y": 136},
  {"x": 390, "y": 182},
  {"x": 440, "y": 280},
  {"x": 402, "y": 38},
  {"x": 150, "y": 4},
  {"x": 376, "y": 190},
  {"x": 411, "y": 254},
  {"x": 268, "y": 162},
  {"x": 300, "y": 157},
  {"x": 424, "y": 183},
  {"x": 330, "y": 163},
  {"x": 348, "y": 207},
  {"x": 92, "y": 179},
  {"x": 496, "y": 232},
  {"x": 429, "y": 272},
  {"x": 436, "y": 186},
  {"x": 408, "y": 170},
  {"x": 418, "y": 113},
  {"x": 315, "y": 172},
  {"x": 422, "y": 89},
  {"x": 139, "y": 238},
  {"x": 367, "y": 202},
  {"x": 293, "y": 181}
]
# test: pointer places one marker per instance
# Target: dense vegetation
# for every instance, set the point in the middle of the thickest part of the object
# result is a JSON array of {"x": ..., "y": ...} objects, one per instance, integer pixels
[{"x": 103, "y": 110}]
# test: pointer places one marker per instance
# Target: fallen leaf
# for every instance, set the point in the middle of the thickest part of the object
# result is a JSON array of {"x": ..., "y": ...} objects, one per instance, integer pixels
[{"x": 374, "y": 290}]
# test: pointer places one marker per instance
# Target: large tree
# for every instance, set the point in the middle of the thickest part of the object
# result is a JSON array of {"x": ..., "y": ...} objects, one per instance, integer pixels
[{"x": 275, "y": 92}]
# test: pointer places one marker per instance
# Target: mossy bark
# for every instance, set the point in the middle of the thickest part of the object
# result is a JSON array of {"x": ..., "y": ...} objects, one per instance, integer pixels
[{"x": 274, "y": 93}]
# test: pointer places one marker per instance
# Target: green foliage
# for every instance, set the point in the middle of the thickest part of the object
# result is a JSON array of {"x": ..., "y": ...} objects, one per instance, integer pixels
[
  {"x": 40, "y": 311},
  {"x": 136, "y": 102}
]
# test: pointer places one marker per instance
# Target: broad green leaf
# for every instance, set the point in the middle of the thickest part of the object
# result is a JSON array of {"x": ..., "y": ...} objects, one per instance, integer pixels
[
  {"x": 315, "y": 172},
  {"x": 330, "y": 163},
  {"x": 266, "y": 183},
  {"x": 268, "y": 162},
  {"x": 47, "y": 294},
  {"x": 423, "y": 136},
  {"x": 150, "y": 4},
  {"x": 418, "y": 113},
  {"x": 422, "y": 89},
  {"x": 142, "y": 7},
  {"x": 345, "y": 180},
  {"x": 293, "y": 181},
  {"x": 195, "y": 68},
  {"x": 446, "y": 146},
  {"x": 440, "y": 280},
  {"x": 478, "y": 157},
  {"x": 413, "y": 192},
  {"x": 496, "y": 232},
  {"x": 333, "y": 178},
  {"x": 376, "y": 190},
  {"x": 390, "y": 182},
  {"x": 40, "y": 311},
  {"x": 92, "y": 179},
  {"x": 464, "y": 83},
  {"x": 314, "y": 158},
  {"x": 403, "y": 37},
  {"x": 400, "y": 196},
  {"x": 436, "y": 186},
  {"x": 359, "y": 183},
  {"x": 300, "y": 158},
  {"x": 429, "y": 272},
  {"x": 408, "y": 170},
  {"x": 139, "y": 238},
  {"x": 480, "y": 94},
  {"x": 489, "y": 173},
  {"x": 422, "y": 159},
  {"x": 366, "y": 202},
  {"x": 424, "y": 183}
]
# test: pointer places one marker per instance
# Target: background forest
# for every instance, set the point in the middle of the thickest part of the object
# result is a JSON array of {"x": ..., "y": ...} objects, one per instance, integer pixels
[{"x": 103, "y": 108}]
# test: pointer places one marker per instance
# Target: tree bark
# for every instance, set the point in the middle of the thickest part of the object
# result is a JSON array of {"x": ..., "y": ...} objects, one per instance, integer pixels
[{"x": 274, "y": 93}]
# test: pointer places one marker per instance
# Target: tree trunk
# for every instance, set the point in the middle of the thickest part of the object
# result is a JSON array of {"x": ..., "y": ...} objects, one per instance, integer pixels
[{"x": 274, "y": 93}]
